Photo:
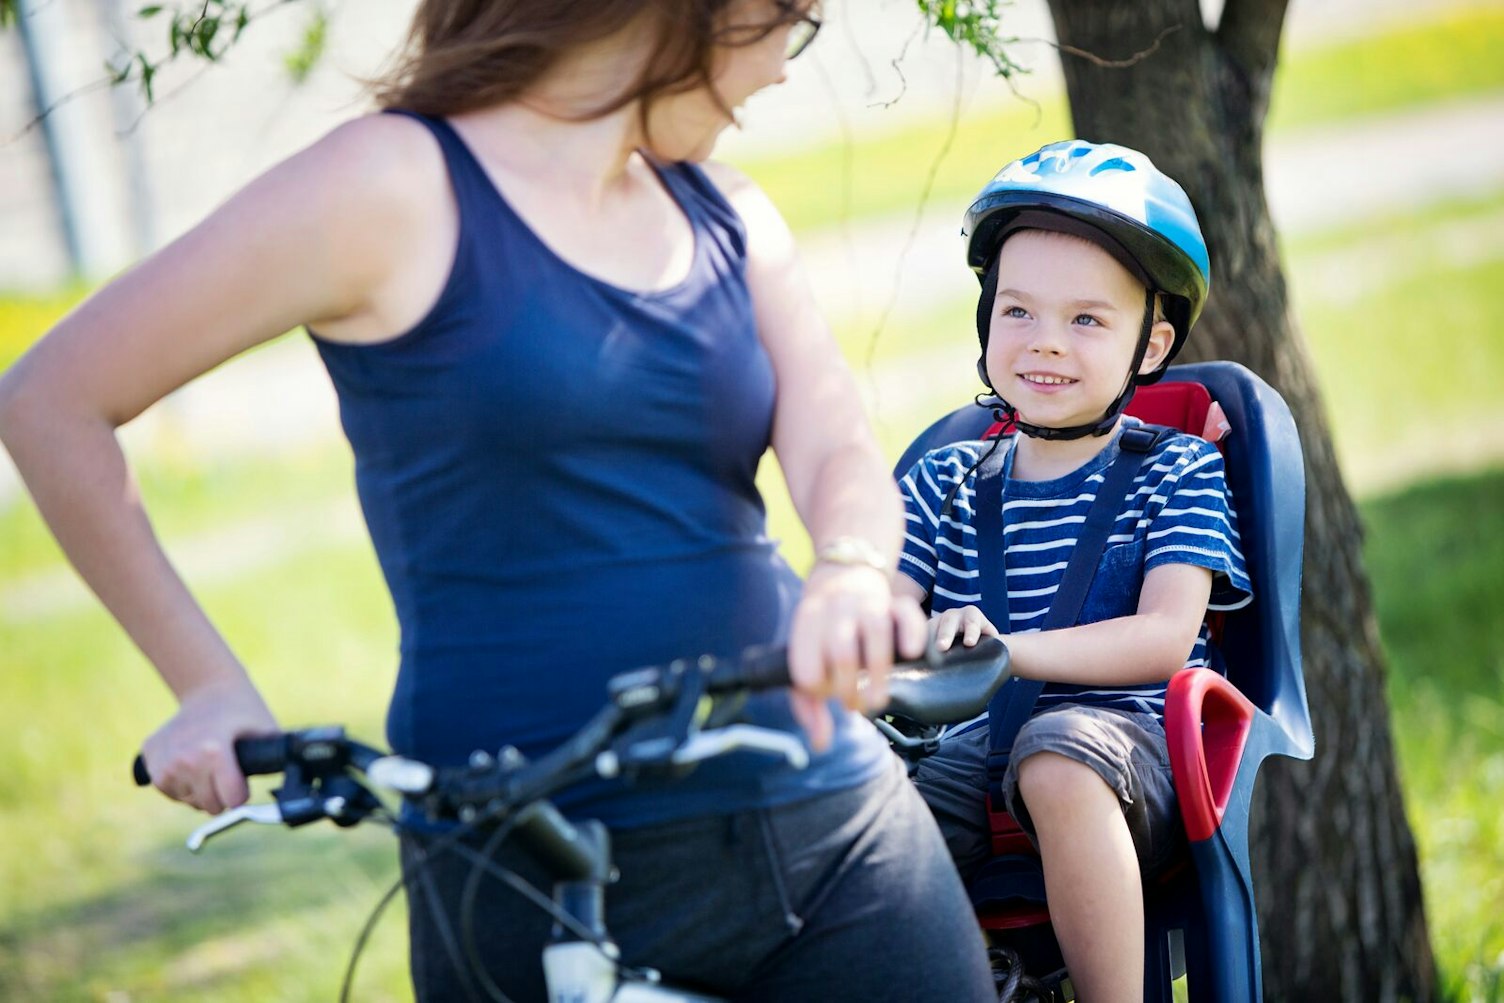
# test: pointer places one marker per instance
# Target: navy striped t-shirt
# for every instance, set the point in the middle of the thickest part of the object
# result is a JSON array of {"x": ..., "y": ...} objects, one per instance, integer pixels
[{"x": 1178, "y": 512}]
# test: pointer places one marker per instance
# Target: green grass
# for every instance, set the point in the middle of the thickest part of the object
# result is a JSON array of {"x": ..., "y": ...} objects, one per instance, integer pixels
[
  {"x": 886, "y": 174},
  {"x": 1453, "y": 56},
  {"x": 97, "y": 896},
  {"x": 190, "y": 495},
  {"x": 25, "y": 317},
  {"x": 1400, "y": 314},
  {"x": 1436, "y": 556},
  {"x": 92, "y": 881}
]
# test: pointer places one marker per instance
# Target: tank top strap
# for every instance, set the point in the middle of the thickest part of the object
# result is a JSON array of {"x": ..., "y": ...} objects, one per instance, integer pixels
[
  {"x": 469, "y": 179},
  {"x": 705, "y": 206},
  {"x": 710, "y": 215}
]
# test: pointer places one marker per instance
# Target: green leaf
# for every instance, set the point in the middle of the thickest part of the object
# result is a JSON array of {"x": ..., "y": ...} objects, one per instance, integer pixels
[
  {"x": 201, "y": 37},
  {"x": 148, "y": 70},
  {"x": 118, "y": 74},
  {"x": 302, "y": 60},
  {"x": 976, "y": 24}
]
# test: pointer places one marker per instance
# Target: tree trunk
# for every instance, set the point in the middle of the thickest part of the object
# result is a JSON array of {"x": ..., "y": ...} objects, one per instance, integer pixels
[{"x": 1341, "y": 915}]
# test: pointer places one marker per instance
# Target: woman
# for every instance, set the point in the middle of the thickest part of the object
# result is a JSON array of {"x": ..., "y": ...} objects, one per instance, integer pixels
[{"x": 556, "y": 342}]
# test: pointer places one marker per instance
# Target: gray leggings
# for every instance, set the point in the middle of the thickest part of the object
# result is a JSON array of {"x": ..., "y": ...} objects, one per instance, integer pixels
[{"x": 848, "y": 895}]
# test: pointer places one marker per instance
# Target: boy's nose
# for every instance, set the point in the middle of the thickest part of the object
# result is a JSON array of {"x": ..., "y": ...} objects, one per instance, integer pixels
[{"x": 1047, "y": 340}]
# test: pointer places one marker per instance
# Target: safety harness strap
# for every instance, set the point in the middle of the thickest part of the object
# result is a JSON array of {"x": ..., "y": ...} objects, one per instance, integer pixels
[{"x": 1014, "y": 703}]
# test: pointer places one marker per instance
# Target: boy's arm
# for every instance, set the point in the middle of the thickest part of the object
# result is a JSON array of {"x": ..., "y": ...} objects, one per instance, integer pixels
[
  {"x": 905, "y": 586},
  {"x": 1149, "y": 646}
]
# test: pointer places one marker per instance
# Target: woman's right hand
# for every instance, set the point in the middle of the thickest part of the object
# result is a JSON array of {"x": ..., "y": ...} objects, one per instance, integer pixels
[
  {"x": 191, "y": 758},
  {"x": 966, "y": 622}
]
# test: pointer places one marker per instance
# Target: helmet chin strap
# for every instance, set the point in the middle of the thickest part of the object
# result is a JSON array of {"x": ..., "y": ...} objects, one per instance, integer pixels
[{"x": 1109, "y": 419}]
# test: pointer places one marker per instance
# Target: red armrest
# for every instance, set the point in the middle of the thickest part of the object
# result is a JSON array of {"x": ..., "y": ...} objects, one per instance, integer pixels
[{"x": 1207, "y": 723}]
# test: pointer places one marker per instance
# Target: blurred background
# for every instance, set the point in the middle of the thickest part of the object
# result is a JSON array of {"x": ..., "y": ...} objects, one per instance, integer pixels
[{"x": 1385, "y": 173}]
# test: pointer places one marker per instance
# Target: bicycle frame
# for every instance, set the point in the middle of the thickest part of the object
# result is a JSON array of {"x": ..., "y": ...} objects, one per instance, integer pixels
[{"x": 652, "y": 720}]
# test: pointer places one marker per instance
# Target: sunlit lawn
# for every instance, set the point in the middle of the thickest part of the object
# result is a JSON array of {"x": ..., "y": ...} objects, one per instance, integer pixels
[
  {"x": 1436, "y": 556},
  {"x": 99, "y": 901},
  {"x": 95, "y": 892},
  {"x": 1452, "y": 57}
]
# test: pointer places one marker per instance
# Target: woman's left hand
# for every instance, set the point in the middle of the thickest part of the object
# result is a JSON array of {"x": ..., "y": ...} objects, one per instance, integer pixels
[{"x": 848, "y": 625}]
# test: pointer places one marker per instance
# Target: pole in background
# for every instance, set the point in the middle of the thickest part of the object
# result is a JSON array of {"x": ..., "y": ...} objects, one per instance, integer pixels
[
  {"x": 83, "y": 205},
  {"x": 127, "y": 109}
]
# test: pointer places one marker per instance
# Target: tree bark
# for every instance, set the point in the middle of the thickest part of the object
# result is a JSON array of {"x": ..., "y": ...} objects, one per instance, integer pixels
[{"x": 1341, "y": 914}]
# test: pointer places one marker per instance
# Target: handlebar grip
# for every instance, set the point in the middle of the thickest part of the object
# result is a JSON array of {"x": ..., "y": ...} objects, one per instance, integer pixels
[
  {"x": 766, "y": 667},
  {"x": 261, "y": 754},
  {"x": 255, "y": 756},
  {"x": 759, "y": 668}
]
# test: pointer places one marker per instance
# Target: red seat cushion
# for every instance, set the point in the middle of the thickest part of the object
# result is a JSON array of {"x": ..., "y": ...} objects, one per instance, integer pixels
[
  {"x": 1178, "y": 405},
  {"x": 1181, "y": 405}
]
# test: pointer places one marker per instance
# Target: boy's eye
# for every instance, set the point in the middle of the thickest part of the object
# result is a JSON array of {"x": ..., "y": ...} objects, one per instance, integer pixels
[
  {"x": 1086, "y": 320},
  {"x": 1015, "y": 312}
]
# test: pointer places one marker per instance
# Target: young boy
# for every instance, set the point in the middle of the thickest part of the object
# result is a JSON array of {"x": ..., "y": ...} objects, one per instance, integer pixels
[{"x": 1093, "y": 271}]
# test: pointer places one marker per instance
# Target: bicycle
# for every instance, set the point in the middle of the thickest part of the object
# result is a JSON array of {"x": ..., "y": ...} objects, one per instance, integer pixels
[{"x": 659, "y": 718}]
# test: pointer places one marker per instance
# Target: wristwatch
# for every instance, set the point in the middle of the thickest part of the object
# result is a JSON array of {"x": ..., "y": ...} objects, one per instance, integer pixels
[{"x": 853, "y": 551}]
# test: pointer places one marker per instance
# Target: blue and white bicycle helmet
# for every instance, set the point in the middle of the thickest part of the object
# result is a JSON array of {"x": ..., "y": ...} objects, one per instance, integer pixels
[{"x": 1119, "y": 200}]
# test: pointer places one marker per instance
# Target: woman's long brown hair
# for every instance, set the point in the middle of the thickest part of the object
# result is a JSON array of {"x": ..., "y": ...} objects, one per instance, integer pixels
[{"x": 462, "y": 55}]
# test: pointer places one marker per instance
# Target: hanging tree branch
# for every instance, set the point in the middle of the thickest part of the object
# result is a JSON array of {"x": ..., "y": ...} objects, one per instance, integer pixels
[
  {"x": 976, "y": 24},
  {"x": 208, "y": 29},
  {"x": 203, "y": 29}
]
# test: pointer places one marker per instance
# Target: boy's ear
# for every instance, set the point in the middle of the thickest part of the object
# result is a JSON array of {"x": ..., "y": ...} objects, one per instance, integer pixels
[{"x": 1161, "y": 338}]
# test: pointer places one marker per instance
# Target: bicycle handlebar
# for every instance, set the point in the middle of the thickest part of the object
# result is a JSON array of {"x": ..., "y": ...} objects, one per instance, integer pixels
[
  {"x": 256, "y": 756},
  {"x": 262, "y": 755},
  {"x": 652, "y": 719}
]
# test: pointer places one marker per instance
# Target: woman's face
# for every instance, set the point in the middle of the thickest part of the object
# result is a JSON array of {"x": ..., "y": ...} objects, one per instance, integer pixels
[{"x": 685, "y": 126}]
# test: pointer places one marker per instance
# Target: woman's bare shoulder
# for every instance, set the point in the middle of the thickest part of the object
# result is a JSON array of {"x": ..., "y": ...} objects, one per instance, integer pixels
[
  {"x": 768, "y": 234},
  {"x": 733, "y": 183},
  {"x": 393, "y": 160},
  {"x": 377, "y": 190}
]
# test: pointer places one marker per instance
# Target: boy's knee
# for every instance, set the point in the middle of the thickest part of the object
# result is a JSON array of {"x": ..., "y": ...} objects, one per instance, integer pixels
[{"x": 1049, "y": 778}]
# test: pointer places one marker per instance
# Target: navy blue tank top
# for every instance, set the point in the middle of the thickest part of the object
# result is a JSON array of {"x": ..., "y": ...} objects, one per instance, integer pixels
[{"x": 558, "y": 477}]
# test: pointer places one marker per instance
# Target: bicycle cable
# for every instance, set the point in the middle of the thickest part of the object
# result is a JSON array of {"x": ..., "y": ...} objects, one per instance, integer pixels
[
  {"x": 348, "y": 982},
  {"x": 442, "y": 842},
  {"x": 478, "y": 866},
  {"x": 471, "y": 963}
]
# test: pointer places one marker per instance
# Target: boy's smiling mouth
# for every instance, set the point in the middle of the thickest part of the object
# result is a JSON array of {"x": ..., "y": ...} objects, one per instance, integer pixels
[{"x": 1045, "y": 379}]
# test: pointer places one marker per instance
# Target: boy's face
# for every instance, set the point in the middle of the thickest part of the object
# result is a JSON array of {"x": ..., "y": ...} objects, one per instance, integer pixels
[{"x": 1065, "y": 324}]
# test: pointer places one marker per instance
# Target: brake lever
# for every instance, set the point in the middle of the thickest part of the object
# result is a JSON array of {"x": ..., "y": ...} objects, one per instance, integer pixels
[
  {"x": 739, "y": 737},
  {"x": 661, "y": 740},
  {"x": 261, "y": 814}
]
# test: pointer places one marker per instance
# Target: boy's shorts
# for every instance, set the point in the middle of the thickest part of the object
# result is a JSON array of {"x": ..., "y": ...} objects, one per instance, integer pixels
[{"x": 1127, "y": 750}]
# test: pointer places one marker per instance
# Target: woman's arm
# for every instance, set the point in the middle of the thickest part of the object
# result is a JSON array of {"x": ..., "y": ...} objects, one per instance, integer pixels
[
  {"x": 836, "y": 475},
  {"x": 315, "y": 240}
]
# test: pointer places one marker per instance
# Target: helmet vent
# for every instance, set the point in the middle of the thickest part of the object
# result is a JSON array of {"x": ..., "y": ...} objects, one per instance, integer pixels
[{"x": 1115, "y": 164}]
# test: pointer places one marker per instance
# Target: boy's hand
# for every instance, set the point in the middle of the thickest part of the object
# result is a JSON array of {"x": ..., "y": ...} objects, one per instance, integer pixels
[{"x": 967, "y": 622}]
